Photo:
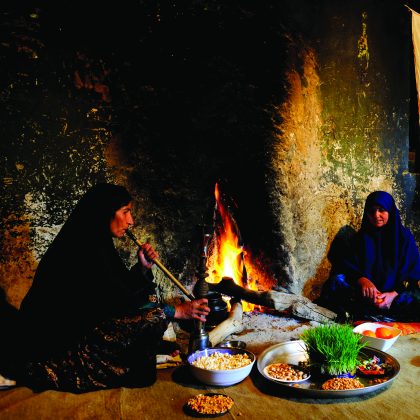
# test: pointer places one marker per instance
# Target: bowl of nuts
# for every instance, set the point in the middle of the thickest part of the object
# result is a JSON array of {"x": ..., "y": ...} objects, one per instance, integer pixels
[
  {"x": 285, "y": 363},
  {"x": 286, "y": 373},
  {"x": 221, "y": 366}
]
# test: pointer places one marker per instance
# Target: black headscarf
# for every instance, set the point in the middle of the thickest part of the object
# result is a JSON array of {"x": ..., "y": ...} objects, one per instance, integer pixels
[
  {"x": 92, "y": 214},
  {"x": 81, "y": 279}
]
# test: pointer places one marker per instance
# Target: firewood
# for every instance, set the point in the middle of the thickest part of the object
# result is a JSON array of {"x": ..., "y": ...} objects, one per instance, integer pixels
[
  {"x": 299, "y": 306},
  {"x": 230, "y": 325},
  {"x": 309, "y": 310}
]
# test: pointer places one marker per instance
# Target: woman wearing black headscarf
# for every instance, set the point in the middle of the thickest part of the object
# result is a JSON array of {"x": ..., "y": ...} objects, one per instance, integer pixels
[
  {"x": 88, "y": 322},
  {"x": 379, "y": 273}
]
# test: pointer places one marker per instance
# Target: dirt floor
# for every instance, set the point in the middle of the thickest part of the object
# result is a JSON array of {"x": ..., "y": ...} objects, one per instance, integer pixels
[{"x": 255, "y": 397}]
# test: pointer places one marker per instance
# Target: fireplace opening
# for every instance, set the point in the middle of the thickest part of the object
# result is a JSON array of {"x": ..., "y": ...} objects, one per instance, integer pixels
[{"x": 228, "y": 255}]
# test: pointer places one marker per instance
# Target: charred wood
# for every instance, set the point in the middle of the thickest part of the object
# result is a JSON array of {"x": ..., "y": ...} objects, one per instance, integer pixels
[{"x": 296, "y": 305}]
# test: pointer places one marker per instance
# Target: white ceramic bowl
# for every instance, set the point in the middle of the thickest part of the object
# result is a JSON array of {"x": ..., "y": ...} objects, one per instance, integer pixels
[
  {"x": 220, "y": 377},
  {"x": 375, "y": 342}
]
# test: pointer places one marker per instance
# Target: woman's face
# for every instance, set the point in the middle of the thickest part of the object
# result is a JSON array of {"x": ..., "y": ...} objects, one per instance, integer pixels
[
  {"x": 378, "y": 216},
  {"x": 121, "y": 221}
]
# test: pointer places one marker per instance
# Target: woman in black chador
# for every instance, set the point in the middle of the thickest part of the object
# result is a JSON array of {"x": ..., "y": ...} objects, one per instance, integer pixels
[
  {"x": 378, "y": 276},
  {"x": 88, "y": 322}
]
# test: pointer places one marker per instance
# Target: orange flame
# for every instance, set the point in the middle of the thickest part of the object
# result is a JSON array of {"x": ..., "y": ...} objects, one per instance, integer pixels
[{"x": 227, "y": 258}]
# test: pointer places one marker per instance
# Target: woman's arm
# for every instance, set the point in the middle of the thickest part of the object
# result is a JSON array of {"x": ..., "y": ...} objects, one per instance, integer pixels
[
  {"x": 146, "y": 255},
  {"x": 384, "y": 300},
  {"x": 367, "y": 289},
  {"x": 195, "y": 309}
]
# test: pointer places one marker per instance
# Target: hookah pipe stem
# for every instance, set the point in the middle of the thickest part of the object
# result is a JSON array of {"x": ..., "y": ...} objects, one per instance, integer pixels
[{"x": 162, "y": 267}]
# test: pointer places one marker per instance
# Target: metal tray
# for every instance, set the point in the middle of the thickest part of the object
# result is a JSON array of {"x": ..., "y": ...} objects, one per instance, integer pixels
[{"x": 294, "y": 352}]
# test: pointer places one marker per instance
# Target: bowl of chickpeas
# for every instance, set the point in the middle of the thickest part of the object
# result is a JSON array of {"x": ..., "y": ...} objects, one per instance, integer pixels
[
  {"x": 285, "y": 362},
  {"x": 221, "y": 366}
]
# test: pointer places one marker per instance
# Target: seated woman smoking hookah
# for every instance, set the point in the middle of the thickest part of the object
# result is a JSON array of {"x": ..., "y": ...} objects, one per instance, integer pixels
[{"x": 88, "y": 322}]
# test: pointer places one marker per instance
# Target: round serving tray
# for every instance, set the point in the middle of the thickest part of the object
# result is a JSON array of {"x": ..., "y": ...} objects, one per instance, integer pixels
[{"x": 294, "y": 352}]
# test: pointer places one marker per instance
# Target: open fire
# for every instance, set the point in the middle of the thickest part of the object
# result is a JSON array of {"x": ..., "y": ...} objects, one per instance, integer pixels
[{"x": 227, "y": 257}]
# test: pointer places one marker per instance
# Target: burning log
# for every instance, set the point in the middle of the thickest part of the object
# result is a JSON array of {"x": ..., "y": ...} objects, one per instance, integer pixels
[
  {"x": 229, "y": 326},
  {"x": 299, "y": 306},
  {"x": 312, "y": 311}
]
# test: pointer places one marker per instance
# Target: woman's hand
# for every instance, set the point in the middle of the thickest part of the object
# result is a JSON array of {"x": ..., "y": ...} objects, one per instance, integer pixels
[
  {"x": 384, "y": 300},
  {"x": 367, "y": 289},
  {"x": 146, "y": 255},
  {"x": 195, "y": 309}
]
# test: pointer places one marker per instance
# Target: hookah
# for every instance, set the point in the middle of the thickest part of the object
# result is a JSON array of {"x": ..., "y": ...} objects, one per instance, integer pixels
[{"x": 199, "y": 338}]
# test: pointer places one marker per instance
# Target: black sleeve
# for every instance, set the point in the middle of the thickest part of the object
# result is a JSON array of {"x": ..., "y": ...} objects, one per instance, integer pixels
[{"x": 142, "y": 286}]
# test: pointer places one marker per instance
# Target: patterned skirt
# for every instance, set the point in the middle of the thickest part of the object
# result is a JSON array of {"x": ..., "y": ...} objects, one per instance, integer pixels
[{"x": 118, "y": 352}]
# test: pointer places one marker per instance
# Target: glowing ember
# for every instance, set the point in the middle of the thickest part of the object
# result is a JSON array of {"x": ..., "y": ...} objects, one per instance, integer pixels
[{"x": 227, "y": 258}]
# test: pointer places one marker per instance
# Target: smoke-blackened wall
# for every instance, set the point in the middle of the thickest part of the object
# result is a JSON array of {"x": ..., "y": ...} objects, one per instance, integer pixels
[{"x": 297, "y": 108}]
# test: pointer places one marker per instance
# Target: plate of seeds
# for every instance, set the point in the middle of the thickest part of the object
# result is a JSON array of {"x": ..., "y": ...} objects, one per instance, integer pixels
[
  {"x": 287, "y": 373},
  {"x": 210, "y": 404}
]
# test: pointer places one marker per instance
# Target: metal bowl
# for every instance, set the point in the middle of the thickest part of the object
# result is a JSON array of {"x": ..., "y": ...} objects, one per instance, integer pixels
[
  {"x": 233, "y": 344},
  {"x": 220, "y": 377}
]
